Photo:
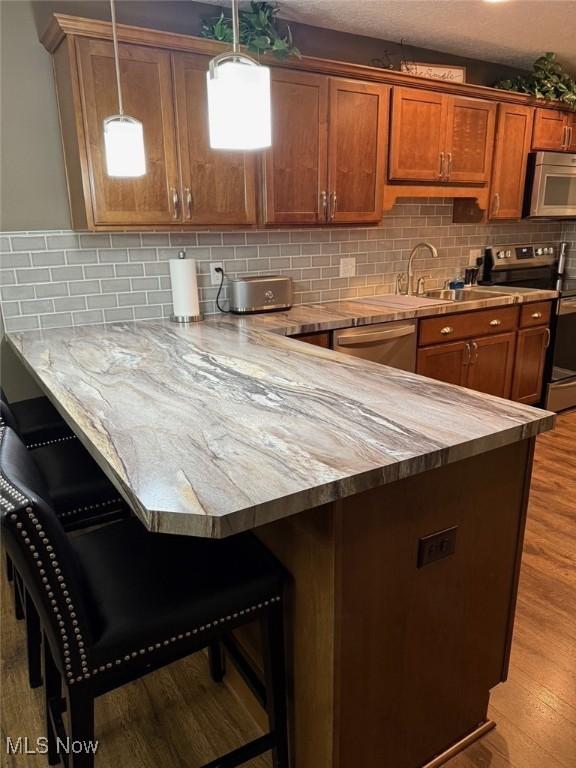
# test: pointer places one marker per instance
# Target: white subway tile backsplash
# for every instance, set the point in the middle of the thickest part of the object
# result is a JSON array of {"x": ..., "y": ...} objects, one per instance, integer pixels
[{"x": 52, "y": 279}]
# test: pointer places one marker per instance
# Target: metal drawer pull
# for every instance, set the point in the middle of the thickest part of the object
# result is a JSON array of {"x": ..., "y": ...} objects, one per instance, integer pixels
[
  {"x": 536, "y": 315},
  {"x": 446, "y": 330},
  {"x": 495, "y": 322}
]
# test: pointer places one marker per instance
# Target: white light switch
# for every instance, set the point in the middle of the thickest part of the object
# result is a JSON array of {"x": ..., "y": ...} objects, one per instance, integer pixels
[{"x": 348, "y": 267}]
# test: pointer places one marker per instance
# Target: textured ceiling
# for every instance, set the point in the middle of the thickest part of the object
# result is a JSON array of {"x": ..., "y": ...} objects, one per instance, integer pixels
[{"x": 511, "y": 32}]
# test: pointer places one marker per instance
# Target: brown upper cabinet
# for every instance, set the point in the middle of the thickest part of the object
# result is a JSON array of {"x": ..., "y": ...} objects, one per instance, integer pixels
[
  {"x": 186, "y": 182},
  {"x": 513, "y": 139},
  {"x": 440, "y": 138},
  {"x": 147, "y": 80},
  {"x": 331, "y": 161},
  {"x": 328, "y": 154},
  {"x": 218, "y": 187},
  {"x": 554, "y": 130}
]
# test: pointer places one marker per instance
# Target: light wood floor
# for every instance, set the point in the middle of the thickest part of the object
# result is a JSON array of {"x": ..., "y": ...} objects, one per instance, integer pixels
[{"x": 177, "y": 718}]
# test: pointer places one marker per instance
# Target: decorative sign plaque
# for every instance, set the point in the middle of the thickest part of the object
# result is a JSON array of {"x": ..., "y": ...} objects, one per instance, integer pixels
[{"x": 450, "y": 73}]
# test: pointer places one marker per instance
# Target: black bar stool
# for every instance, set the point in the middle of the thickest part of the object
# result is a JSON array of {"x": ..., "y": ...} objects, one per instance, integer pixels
[{"x": 119, "y": 602}]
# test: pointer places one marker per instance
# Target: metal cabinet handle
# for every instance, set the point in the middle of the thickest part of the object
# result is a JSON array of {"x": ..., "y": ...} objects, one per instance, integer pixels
[
  {"x": 496, "y": 203},
  {"x": 475, "y": 351},
  {"x": 333, "y": 205},
  {"x": 495, "y": 322},
  {"x": 441, "y": 171},
  {"x": 447, "y": 330},
  {"x": 548, "y": 336},
  {"x": 175, "y": 202},
  {"x": 449, "y": 156},
  {"x": 468, "y": 354},
  {"x": 536, "y": 315},
  {"x": 188, "y": 196},
  {"x": 569, "y": 137},
  {"x": 324, "y": 204}
]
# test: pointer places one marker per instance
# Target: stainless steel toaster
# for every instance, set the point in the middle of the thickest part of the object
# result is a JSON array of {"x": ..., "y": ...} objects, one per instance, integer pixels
[{"x": 260, "y": 294}]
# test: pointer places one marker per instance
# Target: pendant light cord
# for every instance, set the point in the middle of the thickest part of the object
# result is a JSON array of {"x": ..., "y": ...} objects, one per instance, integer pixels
[
  {"x": 116, "y": 56},
  {"x": 235, "y": 27}
]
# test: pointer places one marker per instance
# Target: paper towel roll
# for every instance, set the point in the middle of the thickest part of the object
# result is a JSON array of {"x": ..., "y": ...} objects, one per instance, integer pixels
[{"x": 184, "y": 288}]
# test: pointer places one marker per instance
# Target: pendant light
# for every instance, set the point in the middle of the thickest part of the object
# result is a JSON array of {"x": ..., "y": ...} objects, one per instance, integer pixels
[
  {"x": 123, "y": 135},
  {"x": 238, "y": 98}
]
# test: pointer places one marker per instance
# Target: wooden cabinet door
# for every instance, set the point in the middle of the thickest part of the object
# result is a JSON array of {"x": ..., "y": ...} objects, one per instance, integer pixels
[
  {"x": 529, "y": 364},
  {"x": 513, "y": 139},
  {"x": 571, "y": 125},
  {"x": 357, "y": 136},
  {"x": 492, "y": 364},
  {"x": 549, "y": 133},
  {"x": 418, "y": 132},
  {"x": 445, "y": 362},
  {"x": 147, "y": 90},
  {"x": 295, "y": 167},
  {"x": 218, "y": 187},
  {"x": 469, "y": 140}
]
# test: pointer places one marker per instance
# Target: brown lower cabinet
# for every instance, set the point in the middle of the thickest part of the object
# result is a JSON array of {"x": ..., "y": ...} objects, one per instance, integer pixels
[
  {"x": 484, "y": 364},
  {"x": 497, "y": 351},
  {"x": 530, "y": 360}
]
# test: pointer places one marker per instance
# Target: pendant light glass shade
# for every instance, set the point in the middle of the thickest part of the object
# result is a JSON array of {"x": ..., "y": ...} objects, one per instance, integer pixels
[
  {"x": 239, "y": 114},
  {"x": 124, "y": 145},
  {"x": 123, "y": 135},
  {"x": 239, "y": 104}
]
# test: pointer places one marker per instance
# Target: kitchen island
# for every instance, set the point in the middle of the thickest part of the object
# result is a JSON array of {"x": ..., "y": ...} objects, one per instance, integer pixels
[{"x": 397, "y": 503}]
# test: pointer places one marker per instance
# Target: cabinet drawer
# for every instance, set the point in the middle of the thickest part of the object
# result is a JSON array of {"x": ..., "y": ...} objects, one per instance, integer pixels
[
  {"x": 535, "y": 314},
  {"x": 467, "y": 324}
]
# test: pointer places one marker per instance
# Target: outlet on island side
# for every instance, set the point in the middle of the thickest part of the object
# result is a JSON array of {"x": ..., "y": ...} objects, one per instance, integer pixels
[
  {"x": 436, "y": 546},
  {"x": 215, "y": 277},
  {"x": 348, "y": 266}
]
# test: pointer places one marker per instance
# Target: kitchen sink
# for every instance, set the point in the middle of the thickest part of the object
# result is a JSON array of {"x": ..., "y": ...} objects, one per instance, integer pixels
[{"x": 461, "y": 294}]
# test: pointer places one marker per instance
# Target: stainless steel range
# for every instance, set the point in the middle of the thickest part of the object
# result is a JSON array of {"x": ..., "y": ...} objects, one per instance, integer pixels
[{"x": 542, "y": 266}]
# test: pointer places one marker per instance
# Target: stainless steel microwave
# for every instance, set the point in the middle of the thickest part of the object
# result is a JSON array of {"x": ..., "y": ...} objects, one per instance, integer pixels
[{"x": 552, "y": 185}]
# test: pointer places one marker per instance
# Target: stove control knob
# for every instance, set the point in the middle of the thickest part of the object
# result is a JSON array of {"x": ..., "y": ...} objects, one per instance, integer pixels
[
  {"x": 540, "y": 251},
  {"x": 508, "y": 254},
  {"x": 501, "y": 254}
]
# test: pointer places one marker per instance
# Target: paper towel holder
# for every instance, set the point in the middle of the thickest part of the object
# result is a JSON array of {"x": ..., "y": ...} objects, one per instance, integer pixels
[{"x": 185, "y": 319}]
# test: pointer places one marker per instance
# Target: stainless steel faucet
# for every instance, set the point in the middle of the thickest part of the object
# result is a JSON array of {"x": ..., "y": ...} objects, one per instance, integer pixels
[{"x": 410, "y": 272}]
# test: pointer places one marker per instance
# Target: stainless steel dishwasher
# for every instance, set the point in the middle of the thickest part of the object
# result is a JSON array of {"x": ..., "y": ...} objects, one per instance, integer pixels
[{"x": 391, "y": 344}]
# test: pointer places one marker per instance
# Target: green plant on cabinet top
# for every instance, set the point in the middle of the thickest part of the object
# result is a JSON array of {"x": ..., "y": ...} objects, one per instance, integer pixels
[
  {"x": 548, "y": 80},
  {"x": 258, "y": 31}
]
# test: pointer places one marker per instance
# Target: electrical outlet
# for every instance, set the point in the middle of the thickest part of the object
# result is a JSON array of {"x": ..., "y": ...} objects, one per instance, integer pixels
[
  {"x": 348, "y": 267},
  {"x": 475, "y": 253},
  {"x": 215, "y": 277},
  {"x": 436, "y": 546}
]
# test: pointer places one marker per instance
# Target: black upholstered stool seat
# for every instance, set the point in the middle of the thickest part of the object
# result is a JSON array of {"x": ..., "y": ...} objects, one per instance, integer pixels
[
  {"x": 146, "y": 588},
  {"x": 76, "y": 485},
  {"x": 37, "y": 421}
]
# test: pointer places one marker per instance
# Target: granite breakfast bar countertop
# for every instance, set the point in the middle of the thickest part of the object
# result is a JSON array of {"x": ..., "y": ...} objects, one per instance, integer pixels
[{"x": 213, "y": 428}]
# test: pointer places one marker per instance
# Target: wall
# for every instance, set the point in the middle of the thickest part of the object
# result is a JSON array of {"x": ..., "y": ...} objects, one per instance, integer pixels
[
  {"x": 52, "y": 279},
  {"x": 32, "y": 172},
  {"x": 33, "y": 185}
]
